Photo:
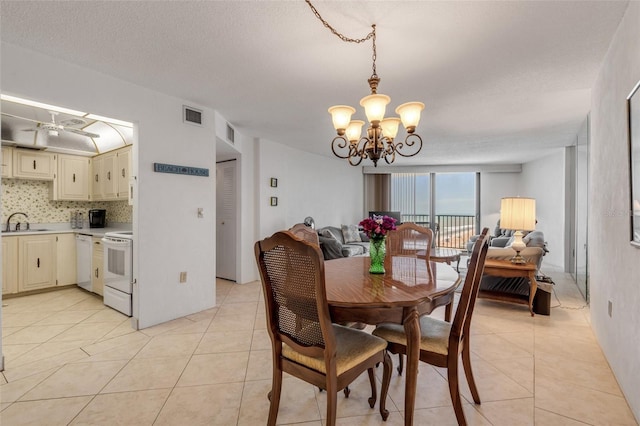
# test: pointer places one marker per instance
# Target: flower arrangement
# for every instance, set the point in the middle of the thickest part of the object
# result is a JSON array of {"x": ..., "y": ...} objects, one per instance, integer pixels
[{"x": 377, "y": 227}]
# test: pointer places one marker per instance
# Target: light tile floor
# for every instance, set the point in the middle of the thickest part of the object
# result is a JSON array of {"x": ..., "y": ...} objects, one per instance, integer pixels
[{"x": 71, "y": 360}]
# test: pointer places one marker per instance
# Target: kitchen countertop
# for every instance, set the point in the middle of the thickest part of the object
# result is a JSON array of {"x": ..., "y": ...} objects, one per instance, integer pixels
[{"x": 63, "y": 228}]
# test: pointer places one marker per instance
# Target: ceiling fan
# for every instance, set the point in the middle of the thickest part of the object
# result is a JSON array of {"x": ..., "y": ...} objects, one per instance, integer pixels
[{"x": 53, "y": 128}]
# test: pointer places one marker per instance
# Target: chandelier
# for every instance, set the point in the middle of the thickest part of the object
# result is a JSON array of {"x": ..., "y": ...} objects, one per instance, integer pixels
[{"x": 380, "y": 138}]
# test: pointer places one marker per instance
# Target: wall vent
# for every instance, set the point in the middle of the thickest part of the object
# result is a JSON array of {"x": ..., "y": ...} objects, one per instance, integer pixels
[
  {"x": 231, "y": 134},
  {"x": 191, "y": 115}
]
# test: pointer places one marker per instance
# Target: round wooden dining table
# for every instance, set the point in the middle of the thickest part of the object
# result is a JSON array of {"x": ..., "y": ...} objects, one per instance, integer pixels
[{"x": 409, "y": 288}]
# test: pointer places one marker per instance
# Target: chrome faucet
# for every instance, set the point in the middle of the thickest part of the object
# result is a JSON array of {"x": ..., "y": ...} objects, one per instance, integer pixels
[{"x": 18, "y": 226}]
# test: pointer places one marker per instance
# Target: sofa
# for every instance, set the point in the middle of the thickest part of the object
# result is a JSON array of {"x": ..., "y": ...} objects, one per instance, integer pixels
[
  {"x": 518, "y": 287},
  {"x": 343, "y": 241}
]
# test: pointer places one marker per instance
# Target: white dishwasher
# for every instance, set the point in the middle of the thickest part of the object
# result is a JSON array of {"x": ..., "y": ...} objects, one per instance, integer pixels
[{"x": 83, "y": 266}]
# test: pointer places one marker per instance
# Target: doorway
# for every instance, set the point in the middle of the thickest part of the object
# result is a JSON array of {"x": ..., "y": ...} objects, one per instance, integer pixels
[{"x": 226, "y": 217}]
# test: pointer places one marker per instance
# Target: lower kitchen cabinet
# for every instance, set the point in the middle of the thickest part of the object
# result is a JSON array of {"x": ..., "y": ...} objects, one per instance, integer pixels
[
  {"x": 9, "y": 265},
  {"x": 66, "y": 270},
  {"x": 97, "y": 265},
  {"x": 36, "y": 262}
]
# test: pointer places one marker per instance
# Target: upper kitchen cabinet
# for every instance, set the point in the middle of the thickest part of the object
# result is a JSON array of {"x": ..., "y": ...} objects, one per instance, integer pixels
[
  {"x": 72, "y": 180},
  {"x": 110, "y": 176},
  {"x": 7, "y": 162},
  {"x": 124, "y": 171},
  {"x": 29, "y": 164}
]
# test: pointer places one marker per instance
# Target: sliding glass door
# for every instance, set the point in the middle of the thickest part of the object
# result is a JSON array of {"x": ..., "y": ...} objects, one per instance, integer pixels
[{"x": 449, "y": 198}]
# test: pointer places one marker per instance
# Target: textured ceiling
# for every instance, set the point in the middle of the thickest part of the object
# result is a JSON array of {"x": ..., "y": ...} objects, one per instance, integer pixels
[{"x": 502, "y": 81}]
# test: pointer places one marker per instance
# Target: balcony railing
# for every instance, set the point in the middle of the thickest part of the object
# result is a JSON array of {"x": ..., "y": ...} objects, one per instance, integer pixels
[{"x": 452, "y": 231}]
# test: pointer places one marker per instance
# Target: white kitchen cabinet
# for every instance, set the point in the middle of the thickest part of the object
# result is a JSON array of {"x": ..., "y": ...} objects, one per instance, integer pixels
[
  {"x": 109, "y": 177},
  {"x": 7, "y": 162},
  {"x": 72, "y": 179},
  {"x": 9, "y": 265},
  {"x": 36, "y": 262},
  {"x": 96, "y": 178},
  {"x": 29, "y": 164},
  {"x": 124, "y": 171},
  {"x": 66, "y": 270},
  {"x": 97, "y": 266}
]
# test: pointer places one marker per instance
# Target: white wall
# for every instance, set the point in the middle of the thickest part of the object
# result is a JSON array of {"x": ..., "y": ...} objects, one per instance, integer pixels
[
  {"x": 544, "y": 180},
  {"x": 494, "y": 186},
  {"x": 169, "y": 237},
  {"x": 247, "y": 269},
  {"x": 613, "y": 262},
  {"x": 329, "y": 190}
]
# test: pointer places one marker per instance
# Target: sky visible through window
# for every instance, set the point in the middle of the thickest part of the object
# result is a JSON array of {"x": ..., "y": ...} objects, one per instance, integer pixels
[{"x": 455, "y": 193}]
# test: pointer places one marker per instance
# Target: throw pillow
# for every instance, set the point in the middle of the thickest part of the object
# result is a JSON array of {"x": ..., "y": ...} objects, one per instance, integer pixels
[
  {"x": 327, "y": 234},
  {"x": 350, "y": 234}
]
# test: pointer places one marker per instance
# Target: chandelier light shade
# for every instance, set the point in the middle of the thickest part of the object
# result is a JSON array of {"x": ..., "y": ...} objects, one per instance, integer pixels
[{"x": 518, "y": 214}]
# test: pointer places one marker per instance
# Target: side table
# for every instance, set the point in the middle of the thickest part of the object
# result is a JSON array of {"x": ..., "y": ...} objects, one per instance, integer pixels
[{"x": 506, "y": 269}]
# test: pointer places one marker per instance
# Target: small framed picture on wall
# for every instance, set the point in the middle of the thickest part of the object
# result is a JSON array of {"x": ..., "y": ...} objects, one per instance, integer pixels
[
  {"x": 274, "y": 182},
  {"x": 274, "y": 201}
]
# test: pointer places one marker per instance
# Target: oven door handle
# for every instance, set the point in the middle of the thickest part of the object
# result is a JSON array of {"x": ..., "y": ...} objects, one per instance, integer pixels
[{"x": 116, "y": 243}]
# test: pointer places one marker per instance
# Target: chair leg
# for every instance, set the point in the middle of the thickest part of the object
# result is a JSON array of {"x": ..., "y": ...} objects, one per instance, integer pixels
[
  {"x": 386, "y": 380},
  {"x": 400, "y": 364},
  {"x": 332, "y": 402},
  {"x": 274, "y": 397},
  {"x": 374, "y": 395},
  {"x": 447, "y": 311},
  {"x": 454, "y": 390},
  {"x": 468, "y": 372}
]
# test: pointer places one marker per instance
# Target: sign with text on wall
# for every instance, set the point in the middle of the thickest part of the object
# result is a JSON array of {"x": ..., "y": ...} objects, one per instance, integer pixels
[{"x": 180, "y": 170}]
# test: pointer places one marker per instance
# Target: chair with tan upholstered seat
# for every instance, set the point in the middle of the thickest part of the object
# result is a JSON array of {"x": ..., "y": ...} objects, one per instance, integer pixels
[
  {"x": 305, "y": 343},
  {"x": 443, "y": 342}
]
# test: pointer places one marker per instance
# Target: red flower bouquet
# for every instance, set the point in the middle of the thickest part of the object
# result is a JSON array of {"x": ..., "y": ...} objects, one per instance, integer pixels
[{"x": 378, "y": 227}]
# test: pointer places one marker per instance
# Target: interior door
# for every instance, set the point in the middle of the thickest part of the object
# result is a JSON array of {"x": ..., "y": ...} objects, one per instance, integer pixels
[{"x": 226, "y": 214}]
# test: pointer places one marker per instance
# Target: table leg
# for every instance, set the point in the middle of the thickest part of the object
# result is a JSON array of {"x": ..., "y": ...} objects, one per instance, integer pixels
[
  {"x": 532, "y": 290},
  {"x": 412, "y": 331}
]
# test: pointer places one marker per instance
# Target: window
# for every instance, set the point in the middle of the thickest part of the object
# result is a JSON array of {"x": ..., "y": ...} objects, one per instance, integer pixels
[{"x": 450, "y": 198}]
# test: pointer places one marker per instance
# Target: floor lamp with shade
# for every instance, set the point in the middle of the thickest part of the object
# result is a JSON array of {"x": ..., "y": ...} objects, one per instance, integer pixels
[{"x": 518, "y": 214}]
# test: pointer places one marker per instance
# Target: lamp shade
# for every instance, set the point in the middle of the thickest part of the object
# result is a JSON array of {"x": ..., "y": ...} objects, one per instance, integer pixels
[
  {"x": 518, "y": 214},
  {"x": 375, "y": 106},
  {"x": 341, "y": 116},
  {"x": 390, "y": 127},
  {"x": 354, "y": 130},
  {"x": 410, "y": 114}
]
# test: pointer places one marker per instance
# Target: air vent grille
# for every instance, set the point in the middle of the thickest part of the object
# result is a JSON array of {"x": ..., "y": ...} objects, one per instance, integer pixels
[
  {"x": 192, "y": 115},
  {"x": 231, "y": 134}
]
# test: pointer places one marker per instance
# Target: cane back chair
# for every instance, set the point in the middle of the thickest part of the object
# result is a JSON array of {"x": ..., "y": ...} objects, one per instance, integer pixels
[{"x": 305, "y": 343}]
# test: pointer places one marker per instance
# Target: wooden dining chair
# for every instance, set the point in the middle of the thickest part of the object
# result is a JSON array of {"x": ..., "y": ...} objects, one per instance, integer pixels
[
  {"x": 409, "y": 239},
  {"x": 306, "y": 233},
  {"x": 443, "y": 342},
  {"x": 305, "y": 343}
]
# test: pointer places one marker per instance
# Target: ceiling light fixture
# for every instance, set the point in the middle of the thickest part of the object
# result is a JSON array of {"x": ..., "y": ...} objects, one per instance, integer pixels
[
  {"x": 379, "y": 141},
  {"x": 41, "y": 105}
]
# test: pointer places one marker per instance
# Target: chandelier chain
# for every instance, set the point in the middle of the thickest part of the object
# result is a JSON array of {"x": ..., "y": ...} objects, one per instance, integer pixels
[{"x": 337, "y": 33}]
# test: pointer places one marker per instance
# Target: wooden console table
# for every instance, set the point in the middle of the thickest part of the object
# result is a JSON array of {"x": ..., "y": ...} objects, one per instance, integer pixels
[{"x": 506, "y": 269}]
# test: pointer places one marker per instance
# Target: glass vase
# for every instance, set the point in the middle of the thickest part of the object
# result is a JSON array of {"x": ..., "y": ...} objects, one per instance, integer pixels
[{"x": 377, "y": 251}]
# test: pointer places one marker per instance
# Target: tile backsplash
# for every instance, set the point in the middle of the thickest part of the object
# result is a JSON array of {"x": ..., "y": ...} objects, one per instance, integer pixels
[{"x": 32, "y": 197}]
